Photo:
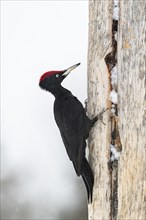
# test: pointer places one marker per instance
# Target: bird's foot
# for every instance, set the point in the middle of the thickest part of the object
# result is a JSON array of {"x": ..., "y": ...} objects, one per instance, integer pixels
[
  {"x": 86, "y": 102},
  {"x": 100, "y": 115}
]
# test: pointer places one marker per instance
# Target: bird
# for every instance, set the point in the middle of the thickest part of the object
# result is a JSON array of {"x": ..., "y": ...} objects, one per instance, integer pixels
[{"x": 73, "y": 123}]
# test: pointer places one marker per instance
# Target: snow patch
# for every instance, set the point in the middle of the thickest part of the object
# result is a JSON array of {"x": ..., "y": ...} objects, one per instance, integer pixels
[
  {"x": 114, "y": 76},
  {"x": 115, "y": 154},
  {"x": 116, "y": 36},
  {"x": 116, "y": 10},
  {"x": 114, "y": 96},
  {"x": 113, "y": 110}
]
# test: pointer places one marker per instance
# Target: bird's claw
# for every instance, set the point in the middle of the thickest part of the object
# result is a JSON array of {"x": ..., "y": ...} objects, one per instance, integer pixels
[
  {"x": 100, "y": 116},
  {"x": 86, "y": 102}
]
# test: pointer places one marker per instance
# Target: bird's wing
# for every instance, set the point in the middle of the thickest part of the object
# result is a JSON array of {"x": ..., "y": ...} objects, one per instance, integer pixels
[{"x": 70, "y": 119}]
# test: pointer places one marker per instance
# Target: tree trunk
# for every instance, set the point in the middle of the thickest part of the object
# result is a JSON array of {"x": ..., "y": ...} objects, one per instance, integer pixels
[{"x": 117, "y": 50}]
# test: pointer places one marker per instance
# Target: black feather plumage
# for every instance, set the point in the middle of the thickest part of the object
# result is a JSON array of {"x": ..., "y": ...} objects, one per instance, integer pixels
[{"x": 73, "y": 123}]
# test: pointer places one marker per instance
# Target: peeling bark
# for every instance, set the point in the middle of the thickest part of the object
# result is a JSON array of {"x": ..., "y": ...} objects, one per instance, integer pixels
[{"x": 100, "y": 44}]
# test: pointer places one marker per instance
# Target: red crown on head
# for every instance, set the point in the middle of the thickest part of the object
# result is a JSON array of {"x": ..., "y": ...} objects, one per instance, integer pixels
[{"x": 50, "y": 73}]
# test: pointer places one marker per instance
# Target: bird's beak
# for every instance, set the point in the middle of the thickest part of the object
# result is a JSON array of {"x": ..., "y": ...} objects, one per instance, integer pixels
[{"x": 66, "y": 72}]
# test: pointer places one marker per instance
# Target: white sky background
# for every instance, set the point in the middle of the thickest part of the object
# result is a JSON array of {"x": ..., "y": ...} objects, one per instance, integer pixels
[{"x": 38, "y": 36}]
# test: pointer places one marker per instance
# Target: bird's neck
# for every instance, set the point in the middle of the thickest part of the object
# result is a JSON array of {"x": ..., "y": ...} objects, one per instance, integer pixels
[{"x": 60, "y": 91}]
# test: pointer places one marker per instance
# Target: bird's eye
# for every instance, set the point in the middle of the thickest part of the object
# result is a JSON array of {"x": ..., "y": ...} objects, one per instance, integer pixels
[{"x": 57, "y": 75}]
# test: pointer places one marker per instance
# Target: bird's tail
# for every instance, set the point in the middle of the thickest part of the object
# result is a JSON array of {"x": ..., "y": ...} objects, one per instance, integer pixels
[{"x": 88, "y": 178}]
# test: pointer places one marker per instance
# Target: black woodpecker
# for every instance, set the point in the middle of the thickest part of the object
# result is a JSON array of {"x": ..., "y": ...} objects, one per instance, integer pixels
[{"x": 73, "y": 123}]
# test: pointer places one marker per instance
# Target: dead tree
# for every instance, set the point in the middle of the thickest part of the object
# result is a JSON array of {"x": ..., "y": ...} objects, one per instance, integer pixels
[{"x": 116, "y": 80}]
